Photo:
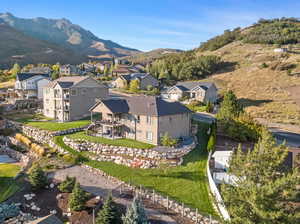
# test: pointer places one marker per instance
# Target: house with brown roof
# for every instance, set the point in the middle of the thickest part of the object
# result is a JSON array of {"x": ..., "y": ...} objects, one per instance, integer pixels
[
  {"x": 145, "y": 80},
  {"x": 200, "y": 91},
  {"x": 142, "y": 118},
  {"x": 124, "y": 70},
  {"x": 70, "y": 98}
]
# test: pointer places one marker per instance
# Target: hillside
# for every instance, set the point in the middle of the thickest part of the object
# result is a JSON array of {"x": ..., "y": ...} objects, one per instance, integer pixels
[
  {"x": 67, "y": 35},
  {"x": 267, "y": 83},
  {"x": 17, "y": 47},
  {"x": 145, "y": 57}
]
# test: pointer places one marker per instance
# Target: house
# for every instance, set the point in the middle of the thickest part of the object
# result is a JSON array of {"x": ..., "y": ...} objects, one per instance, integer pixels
[
  {"x": 69, "y": 70},
  {"x": 70, "y": 98},
  {"x": 101, "y": 66},
  {"x": 143, "y": 118},
  {"x": 49, "y": 219},
  {"x": 30, "y": 85},
  {"x": 145, "y": 80},
  {"x": 40, "y": 70},
  {"x": 124, "y": 70},
  {"x": 280, "y": 50},
  {"x": 221, "y": 159},
  {"x": 200, "y": 91}
]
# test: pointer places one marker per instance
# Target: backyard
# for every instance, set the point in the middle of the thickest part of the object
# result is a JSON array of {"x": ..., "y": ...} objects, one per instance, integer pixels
[
  {"x": 186, "y": 183},
  {"x": 116, "y": 142},
  {"x": 42, "y": 122},
  {"x": 8, "y": 186}
]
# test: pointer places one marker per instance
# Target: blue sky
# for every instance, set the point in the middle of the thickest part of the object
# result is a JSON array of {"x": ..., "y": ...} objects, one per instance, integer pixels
[{"x": 150, "y": 24}]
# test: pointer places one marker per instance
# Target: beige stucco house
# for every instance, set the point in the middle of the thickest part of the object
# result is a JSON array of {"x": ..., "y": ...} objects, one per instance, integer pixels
[
  {"x": 70, "y": 98},
  {"x": 143, "y": 118},
  {"x": 201, "y": 91},
  {"x": 145, "y": 80}
]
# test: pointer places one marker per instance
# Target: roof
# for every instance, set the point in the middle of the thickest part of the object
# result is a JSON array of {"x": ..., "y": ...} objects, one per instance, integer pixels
[
  {"x": 25, "y": 76},
  {"x": 50, "y": 219},
  {"x": 144, "y": 105},
  {"x": 222, "y": 153},
  {"x": 188, "y": 86},
  {"x": 134, "y": 76},
  {"x": 67, "y": 81}
]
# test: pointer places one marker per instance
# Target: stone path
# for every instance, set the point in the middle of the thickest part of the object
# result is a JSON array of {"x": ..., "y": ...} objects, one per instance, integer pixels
[{"x": 101, "y": 186}]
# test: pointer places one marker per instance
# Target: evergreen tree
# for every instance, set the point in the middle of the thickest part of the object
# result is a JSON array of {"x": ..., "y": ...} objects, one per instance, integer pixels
[
  {"x": 135, "y": 213},
  {"x": 67, "y": 185},
  {"x": 108, "y": 214},
  {"x": 230, "y": 107},
  {"x": 265, "y": 190},
  {"x": 105, "y": 70},
  {"x": 37, "y": 177},
  {"x": 15, "y": 70},
  {"x": 134, "y": 86},
  {"x": 78, "y": 198}
]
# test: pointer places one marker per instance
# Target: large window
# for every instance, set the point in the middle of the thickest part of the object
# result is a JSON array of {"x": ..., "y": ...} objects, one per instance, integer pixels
[
  {"x": 73, "y": 92},
  {"x": 149, "y": 135}
]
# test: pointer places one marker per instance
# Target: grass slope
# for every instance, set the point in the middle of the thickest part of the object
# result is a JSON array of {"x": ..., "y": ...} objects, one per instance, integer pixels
[
  {"x": 186, "y": 183},
  {"x": 8, "y": 186},
  {"x": 117, "y": 142}
]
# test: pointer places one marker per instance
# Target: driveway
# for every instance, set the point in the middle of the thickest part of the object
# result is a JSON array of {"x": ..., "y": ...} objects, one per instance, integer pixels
[
  {"x": 100, "y": 186},
  {"x": 204, "y": 117}
]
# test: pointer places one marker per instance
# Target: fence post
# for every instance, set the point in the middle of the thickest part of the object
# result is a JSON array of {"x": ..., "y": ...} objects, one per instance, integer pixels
[
  {"x": 182, "y": 209},
  {"x": 167, "y": 202},
  {"x": 121, "y": 189},
  {"x": 153, "y": 196},
  {"x": 197, "y": 215},
  {"x": 210, "y": 219}
]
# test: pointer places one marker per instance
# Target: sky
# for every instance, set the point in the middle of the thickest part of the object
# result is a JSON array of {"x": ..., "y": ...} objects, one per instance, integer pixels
[{"x": 151, "y": 24}]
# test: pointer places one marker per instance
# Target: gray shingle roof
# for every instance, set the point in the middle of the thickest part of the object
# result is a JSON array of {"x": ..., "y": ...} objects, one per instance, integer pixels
[
  {"x": 67, "y": 81},
  {"x": 50, "y": 219},
  {"x": 186, "y": 86},
  {"x": 134, "y": 76},
  {"x": 24, "y": 76},
  {"x": 144, "y": 105}
]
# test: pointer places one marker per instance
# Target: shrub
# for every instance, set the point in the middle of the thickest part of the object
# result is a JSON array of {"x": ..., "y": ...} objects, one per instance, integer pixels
[
  {"x": 108, "y": 214},
  {"x": 78, "y": 198},
  {"x": 135, "y": 213},
  {"x": 73, "y": 159},
  {"x": 166, "y": 140},
  {"x": 212, "y": 139},
  {"x": 8, "y": 211},
  {"x": 6, "y": 131},
  {"x": 67, "y": 185},
  {"x": 37, "y": 177}
]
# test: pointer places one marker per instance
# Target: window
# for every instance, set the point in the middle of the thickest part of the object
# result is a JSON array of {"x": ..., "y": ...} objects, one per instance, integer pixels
[
  {"x": 149, "y": 135},
  {"x": 149, "y": 119},
  {"x": 73, "y": 92},
  {"x": 83, "y": 91}
]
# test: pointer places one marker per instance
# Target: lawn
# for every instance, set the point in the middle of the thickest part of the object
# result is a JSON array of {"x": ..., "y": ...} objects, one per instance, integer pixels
[
  {"x": 117, "y": 142},
  {"x": 8, "y": 186},
  {"x": 186, "y": 183}
]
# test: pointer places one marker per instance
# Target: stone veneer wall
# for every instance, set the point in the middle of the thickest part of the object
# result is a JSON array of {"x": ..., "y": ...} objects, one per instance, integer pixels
[{"x": 142, "y": 158}]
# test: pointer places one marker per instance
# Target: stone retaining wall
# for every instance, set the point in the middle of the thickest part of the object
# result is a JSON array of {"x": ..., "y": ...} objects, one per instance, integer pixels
[
  {"x": 179, "y": 208},
  {"x": 133, "y": 157},
  {"x": 20, "y": 157}
]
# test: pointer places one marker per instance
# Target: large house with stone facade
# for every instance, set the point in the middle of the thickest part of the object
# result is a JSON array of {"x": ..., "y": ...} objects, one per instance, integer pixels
[
  {"x": 142, "y": 118},
  {"x": 70, "y": 98},
  {"x": 200, "y": 91}
]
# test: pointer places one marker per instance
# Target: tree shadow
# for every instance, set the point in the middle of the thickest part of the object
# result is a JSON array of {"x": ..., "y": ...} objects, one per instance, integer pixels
[
  {"x": 249, "y": 102},
  {"x": 226, "y": 67},
  {"x": 188, "y": 175}
]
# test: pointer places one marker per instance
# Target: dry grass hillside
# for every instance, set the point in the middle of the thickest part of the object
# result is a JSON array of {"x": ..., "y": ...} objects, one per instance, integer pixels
[{"x": 260, "y": 79}]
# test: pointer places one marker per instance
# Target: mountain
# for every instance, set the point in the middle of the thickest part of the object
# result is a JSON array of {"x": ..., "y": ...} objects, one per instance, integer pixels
[
  {"x": 145, "y": 57},
  {"x": 18, "y": 47},
  {"x": 67, "y": 35}
]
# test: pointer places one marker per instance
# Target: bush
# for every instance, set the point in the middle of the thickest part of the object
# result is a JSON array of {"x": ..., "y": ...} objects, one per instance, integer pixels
[
  {"x": 166, "y": 140},
  {"x": 8, "y": 211},
  {"x": 135, "y": 213},
  {"x": 73, "y": 159},
  {"x": 108, "y": 214},
  {"x": 37, "y": 177},
  {"x": 78, "y": 198},
  {"x": 67, "y": 185},
  {"x": 6, "y": 131},
  {"x": 212, "y": 139}
]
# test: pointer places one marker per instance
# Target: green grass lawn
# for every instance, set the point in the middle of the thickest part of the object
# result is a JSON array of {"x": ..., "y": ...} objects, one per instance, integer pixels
[
  {"x": 8, "y": 186},
  {"x": 117, "y": 142},
  {"x": 186, "y": 183},
  {"x": 55, "y": 126}
]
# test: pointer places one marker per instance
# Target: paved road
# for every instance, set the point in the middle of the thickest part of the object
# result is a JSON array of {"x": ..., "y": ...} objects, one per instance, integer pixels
[{"x": 98, "y": 185}]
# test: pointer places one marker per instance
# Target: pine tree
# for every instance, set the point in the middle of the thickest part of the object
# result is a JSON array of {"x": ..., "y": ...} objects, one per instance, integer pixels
[
  {"x": 37, "y": 177},
  {"x": 67, "y": 185},
  {"x": 15, "y": 70},
  {"x": 135, "y": 213},
  {"x": 134, "y": 86},
  {"x": 77, "y": 199},
  {"x": 108, "y": 214},
  {"x": 264, "y": 189},
  {"x": 230, "y": 107}
]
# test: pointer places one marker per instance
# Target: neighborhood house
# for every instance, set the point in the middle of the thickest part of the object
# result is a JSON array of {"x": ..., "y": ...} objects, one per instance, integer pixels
[
  {"x": 145, "y": 80},
  {"x": 143, "y": 118},
  {"x": 69, "y": 98},
  {"x": 69, "y": 70},
  {"x": 200, "y": 91},
  {"x": 30, "y": 85}
]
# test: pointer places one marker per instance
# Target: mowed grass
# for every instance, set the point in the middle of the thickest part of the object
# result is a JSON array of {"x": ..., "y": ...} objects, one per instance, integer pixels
[
  {"x": 55, "y": 126},
  {"x": 8, "y": 186},
  {"x": 186, "y": 183},
  {"x": 116, "y": 142}
]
